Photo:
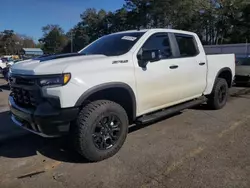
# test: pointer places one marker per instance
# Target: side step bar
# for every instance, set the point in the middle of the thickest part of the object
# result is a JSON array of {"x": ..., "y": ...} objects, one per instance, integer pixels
[{"x": 170, "y": 111}]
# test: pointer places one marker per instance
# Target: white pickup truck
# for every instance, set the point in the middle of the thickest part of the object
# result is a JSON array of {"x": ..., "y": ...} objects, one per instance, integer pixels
[{"x": 118, "y": 80}]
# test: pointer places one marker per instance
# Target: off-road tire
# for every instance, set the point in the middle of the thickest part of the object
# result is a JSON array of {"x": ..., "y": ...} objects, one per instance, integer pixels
[
  {"x": 82, "y": 132},
  {"x": 213, "y": 99}
]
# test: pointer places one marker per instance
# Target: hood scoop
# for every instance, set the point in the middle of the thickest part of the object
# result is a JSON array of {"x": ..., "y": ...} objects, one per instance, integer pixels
[{"x": 59, "y": 56}]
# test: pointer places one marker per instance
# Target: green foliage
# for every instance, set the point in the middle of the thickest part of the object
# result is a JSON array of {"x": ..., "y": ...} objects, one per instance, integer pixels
[
  {"x": 12, "y": 43},
  {"x": 215, "y": 21},
  {"x": 54, "y": 39}
]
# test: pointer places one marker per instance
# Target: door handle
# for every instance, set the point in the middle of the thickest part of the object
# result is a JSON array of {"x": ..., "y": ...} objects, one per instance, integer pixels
[
  {"x": 202, "y": 63},
  {"x": 173, "y": 66}
]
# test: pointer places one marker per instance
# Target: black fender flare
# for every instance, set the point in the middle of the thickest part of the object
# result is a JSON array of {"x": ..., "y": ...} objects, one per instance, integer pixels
[
  {"x": 222, "y": 70},
  {"x": 109, "y": 85}
]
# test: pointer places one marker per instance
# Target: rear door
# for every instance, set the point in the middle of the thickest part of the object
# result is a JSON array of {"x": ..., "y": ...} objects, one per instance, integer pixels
[{"x": 192, "y": 66}]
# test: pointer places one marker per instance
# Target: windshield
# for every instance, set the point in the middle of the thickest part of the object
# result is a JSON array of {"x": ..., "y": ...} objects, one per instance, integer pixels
[{"x": 113, "y": 45}]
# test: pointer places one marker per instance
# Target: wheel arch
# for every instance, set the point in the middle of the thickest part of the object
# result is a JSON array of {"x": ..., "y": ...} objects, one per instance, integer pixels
[
  {"x": 118, "y": 92},
  {"x": 227, "y": 74}
]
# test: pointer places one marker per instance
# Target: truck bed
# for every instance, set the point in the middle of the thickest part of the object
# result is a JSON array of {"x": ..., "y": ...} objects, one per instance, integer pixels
[{"x": 215, "y": 62}]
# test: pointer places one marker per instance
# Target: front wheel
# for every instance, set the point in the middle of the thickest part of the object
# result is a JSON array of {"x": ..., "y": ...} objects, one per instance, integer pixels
[
  {"x": 100, "y": 130},
  {"x": 218, "y": 98}
]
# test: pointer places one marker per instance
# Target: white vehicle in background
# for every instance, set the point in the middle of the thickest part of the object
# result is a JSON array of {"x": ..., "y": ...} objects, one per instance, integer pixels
[
  {"x": 5, "y": 62},
  {"x": 10, "y": 63},
  {"x": 2, "y": 64},
  {"x": 118, "y": 80}
]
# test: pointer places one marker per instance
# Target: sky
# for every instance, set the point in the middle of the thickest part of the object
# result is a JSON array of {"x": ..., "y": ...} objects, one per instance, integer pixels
[{"x": 29, "y": 16}]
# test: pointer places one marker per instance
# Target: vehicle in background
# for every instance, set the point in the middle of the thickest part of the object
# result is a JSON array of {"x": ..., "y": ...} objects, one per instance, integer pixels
[
  {"x": 10, "y": 62},
  {"x": 118, "y": 80},
  {"x": 5, "y": 73},
  {"x": 5, "y": 70},
  {"x": 2, "y": 64},
  {"x": 242, "y": 71}
]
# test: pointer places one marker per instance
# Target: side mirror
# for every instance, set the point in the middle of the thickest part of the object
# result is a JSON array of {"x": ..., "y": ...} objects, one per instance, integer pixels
[{"x": 149, "y": 56}]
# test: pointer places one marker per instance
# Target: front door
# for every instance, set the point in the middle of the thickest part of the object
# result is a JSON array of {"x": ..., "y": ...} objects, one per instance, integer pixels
[{"x": 158, "y": 85}]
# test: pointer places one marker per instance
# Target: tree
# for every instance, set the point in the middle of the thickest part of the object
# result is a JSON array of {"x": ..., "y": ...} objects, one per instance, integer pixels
[
  {"x": 28, "y": 42},
  {"x": 235, "y": 19},
  {"x": 94, "y": 24},
  {"x": 11, "y": 43},
  {"x": 54, "y": 40},
  {"x": 215, "y": 21},
  {"x": 7, "y": 41},
  {"x": 120, "y": 20},
  {"x": 39, "y": 45}
]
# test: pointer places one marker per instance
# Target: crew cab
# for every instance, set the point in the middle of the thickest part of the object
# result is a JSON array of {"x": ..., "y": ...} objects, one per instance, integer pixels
[{"x": 118, "y": 80}]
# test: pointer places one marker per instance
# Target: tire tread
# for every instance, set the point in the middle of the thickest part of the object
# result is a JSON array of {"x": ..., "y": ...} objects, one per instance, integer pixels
[
  {"x": 85, "y": 120},
  {"x": 212, "y": 98}
]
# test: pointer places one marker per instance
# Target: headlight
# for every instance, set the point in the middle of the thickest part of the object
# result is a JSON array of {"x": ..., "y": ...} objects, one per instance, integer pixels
[{"x": 58, "y": 80}]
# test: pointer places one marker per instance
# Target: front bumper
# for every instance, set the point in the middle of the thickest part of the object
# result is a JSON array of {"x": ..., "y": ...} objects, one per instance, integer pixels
[{"x": 45, "y": 120}]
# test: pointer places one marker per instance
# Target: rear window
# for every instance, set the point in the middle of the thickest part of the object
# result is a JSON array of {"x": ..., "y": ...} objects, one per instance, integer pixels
[{"x": 187, "y": 45}]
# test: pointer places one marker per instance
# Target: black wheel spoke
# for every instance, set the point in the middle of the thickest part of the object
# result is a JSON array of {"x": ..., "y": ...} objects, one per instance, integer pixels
[
  {"x": 222, "y": 93},
  {"x": 96, "y": 137},
  {"x": 111, "y": 119},
  {"x": 116, "y": 129},
  {"x": 113, "y": 137},
  {"x": 107, "y": 132},
  {"x": 103, "y": 143},
  {"x": 109, "y": 140},
  {"x": 103, "y": 122}
]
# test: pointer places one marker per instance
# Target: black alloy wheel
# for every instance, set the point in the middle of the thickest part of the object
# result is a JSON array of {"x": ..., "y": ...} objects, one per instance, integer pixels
[
  {"x": 106, "y": 132},
  {"x": 222, "y": 94},
  {"x": 218, "y": 98},
  {"x": 100, "y": 130}
]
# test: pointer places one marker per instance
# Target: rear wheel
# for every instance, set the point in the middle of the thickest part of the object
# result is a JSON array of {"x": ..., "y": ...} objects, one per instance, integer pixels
[
  {"x": 101, "y": 130},
  {"x": 219, "y": 95}
]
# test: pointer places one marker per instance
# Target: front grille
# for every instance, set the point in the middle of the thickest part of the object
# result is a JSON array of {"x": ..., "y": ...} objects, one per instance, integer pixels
[
  {"x": 22, "y": 81},
  {"x": 23, "y": 97},
  {"x": 25, "y": 81},
  {"x": 25, "y": 91}
]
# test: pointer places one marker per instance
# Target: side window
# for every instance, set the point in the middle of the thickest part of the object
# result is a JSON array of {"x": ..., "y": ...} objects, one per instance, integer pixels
[
  {"x": 187, "y": 45},
  {"x": 159, "y": 42}
]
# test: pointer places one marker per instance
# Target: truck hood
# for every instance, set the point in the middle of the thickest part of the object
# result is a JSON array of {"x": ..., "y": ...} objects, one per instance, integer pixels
[{"x": 54, "y": 64}]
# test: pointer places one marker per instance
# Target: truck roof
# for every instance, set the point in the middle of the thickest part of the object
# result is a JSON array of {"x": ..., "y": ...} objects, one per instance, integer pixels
[{"x": 159, "y": 30}]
